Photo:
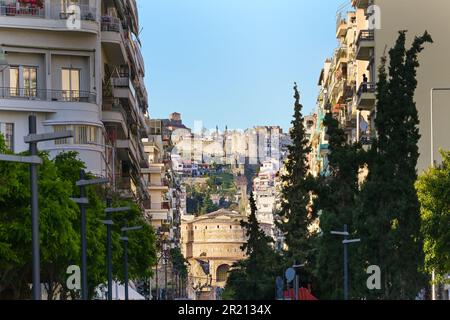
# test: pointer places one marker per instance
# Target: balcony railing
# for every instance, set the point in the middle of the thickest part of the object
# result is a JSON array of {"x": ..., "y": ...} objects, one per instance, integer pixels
[
  {"x": 367, "y": 87},
  {"x": 123, "y": 82},
  {"x": 111, "y": 24},
  {"x": 16, "y": 8},
  {"x": 86, "y": 12},
  {"x": 366, "y": 35},
  {"x": 48, "y": 95}
]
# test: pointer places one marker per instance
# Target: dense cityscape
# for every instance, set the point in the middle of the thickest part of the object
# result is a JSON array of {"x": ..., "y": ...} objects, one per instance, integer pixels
[{"x": 99, "y": 200}]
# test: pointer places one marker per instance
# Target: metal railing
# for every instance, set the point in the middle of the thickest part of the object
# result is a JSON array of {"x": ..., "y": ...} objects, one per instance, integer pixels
[
  {"x": 111, "y": 24},
  {"x": 47, "y": 95},
  {"x": 366, "y": 35},
  {"x": 16, "y": 8},
  {"x": 367, "y": 87},
  {"x": 86, "y": 13}
]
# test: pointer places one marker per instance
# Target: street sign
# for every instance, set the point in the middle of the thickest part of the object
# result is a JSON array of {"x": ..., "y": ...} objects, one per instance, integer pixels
[
  {"x": 290, "y": 274},
  {"x": 19, "y": 159},
  {"x": 84, "y": 183},
  {"x": 80, "y": 201},
  {"x": 115, "y": 210},
  {"x": 34, "y": 138},
  {"x": 131, "y": 229}
]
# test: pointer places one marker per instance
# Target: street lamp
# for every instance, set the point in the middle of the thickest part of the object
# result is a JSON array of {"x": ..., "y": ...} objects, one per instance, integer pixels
[
  {"x": 125, "y": 253},
  {"x": 34, "y": 160},
  {"x": 83, "y": 201},
  {"x": 109, "y": 223},
  {"x": 433, "y": 90},
  {"x": 346, "y": 242}
]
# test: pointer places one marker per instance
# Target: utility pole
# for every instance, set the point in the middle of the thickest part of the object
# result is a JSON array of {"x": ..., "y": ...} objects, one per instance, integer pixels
[
  {"x": 125, "y": 254},
  {"x": 346, "y": 242},
  {"x": 34, "y": 160},
  {"x": 83, "y": 201},
  {"x": 434, "y": 294},
  {"x": 35, "y": 212},
  {"x": 33, "y": 140},
  {"x": 109, "y": 223}
]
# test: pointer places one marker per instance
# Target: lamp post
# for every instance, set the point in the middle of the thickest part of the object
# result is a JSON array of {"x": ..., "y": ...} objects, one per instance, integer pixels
[
  {"x": 109, "y": 223},
  {"x": 34, "y": 160},
  {"x": 83, "y": 201},
  {"x": 433, "y": 90},
  {"x": 125, "y": 253},
  {"x": 346, "y": 242}
]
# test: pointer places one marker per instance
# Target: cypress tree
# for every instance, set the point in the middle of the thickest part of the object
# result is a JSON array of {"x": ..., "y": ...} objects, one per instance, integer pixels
[
  {"x": 389, "y": 220},
  {"x": 254, "y": 277},
  {"x": 336, "y": 200},
  {"x": 296, "y": 193}
]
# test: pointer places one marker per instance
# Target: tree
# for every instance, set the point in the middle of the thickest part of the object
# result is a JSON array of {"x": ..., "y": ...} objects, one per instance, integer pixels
[
  {"x": 433, "y": 188},
  {"x": 388, "y": 219},
  {"x": 254, "y": 277},
  {"x": 59, "y": 230},
  {"x": 336, "y": 199},
  {"x": 296, "y": 193}
]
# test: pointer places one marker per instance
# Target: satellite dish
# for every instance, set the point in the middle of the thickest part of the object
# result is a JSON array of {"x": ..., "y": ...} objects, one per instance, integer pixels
[{"x": 290, "y": 274}]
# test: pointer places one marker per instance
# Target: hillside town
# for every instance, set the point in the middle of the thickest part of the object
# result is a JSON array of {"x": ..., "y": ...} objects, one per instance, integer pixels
[{"x": 208, "y": 214}]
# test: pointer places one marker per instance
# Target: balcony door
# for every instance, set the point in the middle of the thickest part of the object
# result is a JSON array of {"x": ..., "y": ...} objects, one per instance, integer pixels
[
  {"x": 23, "y": 82},
  {"x": 70, "y": 79}
]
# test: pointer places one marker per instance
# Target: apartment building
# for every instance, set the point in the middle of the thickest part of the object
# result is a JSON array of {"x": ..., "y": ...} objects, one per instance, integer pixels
[
  {"x": 77, "y": 65},
  {"x": 366, "y": 30}
]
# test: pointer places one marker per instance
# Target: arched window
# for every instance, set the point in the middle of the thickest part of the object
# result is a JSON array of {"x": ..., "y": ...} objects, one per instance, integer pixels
[{"x": 222, "y": 273}]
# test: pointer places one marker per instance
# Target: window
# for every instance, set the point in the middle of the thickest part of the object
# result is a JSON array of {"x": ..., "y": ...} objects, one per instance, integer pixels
[
  {"x": 70, "y": 83},
  {"x": 83, "y": 134},
  {"x": 14, "y": 81},
  {"x": 23, "y": 81},
  {"x": 7, "y": 130},
  {"x": 30, "y": 81}
]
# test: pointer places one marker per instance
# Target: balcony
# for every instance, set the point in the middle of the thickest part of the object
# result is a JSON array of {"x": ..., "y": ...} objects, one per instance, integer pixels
[
  {"x": 117, "y": 115},
  {"x": 21, "y": 9},
  {"x": 366, "y": 96},
  {"x": 127, "y": 150},
  {"x": 365, "y": 45},
  {"x": 48, "y": 95},
  {"x": 156, "y": 214},
  {"x": 113, "y": 40},
  {"x": 341, "y": 27},
  {"x": 126, "y": 187},
  {"x": 33, "y": 15},
  {"x": 123, "y": 88},
  {"x": 361, "y": 4},
  {"x": 87, "y": 13}
]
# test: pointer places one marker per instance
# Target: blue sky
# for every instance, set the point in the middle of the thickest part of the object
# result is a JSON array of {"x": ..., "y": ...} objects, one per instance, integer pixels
[{"x": 233, "y": 62}]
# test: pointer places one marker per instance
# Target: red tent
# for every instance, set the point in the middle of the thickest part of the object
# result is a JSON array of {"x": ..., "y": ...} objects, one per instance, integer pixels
[{"x": 304, "y": 295}]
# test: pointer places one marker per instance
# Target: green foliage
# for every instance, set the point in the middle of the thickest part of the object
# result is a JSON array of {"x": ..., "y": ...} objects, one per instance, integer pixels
[
  {"x": 295, "y": 194},
  {"x": 59, "y": 230},
  {"x": 433, "y": 189},
  {"x": 179, "y": 262},
  {"x": 254, "y": 277},
  {"x": 336, "y": 199},
  {"x": 388, "y": 218}
]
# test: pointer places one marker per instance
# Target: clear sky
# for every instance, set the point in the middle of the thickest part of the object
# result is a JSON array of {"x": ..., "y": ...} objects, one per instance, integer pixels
[{"x": 233, "y": 62}]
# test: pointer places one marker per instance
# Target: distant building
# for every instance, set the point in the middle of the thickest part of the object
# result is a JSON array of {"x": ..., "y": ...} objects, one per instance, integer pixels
[{"x": 213, "y": 242}]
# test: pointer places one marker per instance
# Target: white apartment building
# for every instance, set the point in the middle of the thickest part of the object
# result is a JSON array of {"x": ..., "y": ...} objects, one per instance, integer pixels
[{"x": 85, "y": 76}]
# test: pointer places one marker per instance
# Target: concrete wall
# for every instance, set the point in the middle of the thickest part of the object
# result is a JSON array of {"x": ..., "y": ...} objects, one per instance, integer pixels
[{"x": 416, "y": 16}]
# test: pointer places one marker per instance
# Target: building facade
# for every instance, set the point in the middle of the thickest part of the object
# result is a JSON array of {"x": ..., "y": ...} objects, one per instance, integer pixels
[
  {"x": 86, "y": 76},
  {"x": 211, "y": 244}
]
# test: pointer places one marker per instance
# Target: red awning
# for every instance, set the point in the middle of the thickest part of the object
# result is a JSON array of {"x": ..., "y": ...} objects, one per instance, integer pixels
[{"x": 304, "y": 295}]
